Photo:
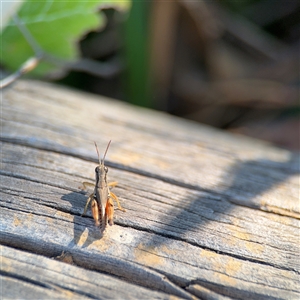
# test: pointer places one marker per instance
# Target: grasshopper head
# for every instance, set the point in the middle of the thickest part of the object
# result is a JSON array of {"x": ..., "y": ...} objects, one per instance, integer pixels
[{"x": 100, "y": 172}]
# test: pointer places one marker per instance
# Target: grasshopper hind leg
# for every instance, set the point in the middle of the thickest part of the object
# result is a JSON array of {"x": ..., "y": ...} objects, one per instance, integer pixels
[
  {"x": 110, "y": 211},
  {"x": 95, "y": 210}
]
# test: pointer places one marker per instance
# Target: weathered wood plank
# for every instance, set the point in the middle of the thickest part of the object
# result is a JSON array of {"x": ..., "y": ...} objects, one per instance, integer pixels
[
  {"x": 207, "y": 213},
  {"x": 32, "y": 276},
  {"x": 200, "y": 218},
  {"x": 155, "y": 144},
  {"x": 142, "y": 257}
]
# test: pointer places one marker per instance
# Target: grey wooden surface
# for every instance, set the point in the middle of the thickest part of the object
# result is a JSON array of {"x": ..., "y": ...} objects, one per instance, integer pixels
[{"x": 209, "y": 215}]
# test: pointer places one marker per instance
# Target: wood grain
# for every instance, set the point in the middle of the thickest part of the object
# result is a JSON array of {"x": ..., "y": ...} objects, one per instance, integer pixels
[
  {"x": 35, "y": 276},
  {"x": 209, "y": 214}
]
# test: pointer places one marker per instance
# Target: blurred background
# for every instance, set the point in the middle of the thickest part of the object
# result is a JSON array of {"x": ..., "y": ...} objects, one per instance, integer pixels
[{"x": 233, "y": 65}]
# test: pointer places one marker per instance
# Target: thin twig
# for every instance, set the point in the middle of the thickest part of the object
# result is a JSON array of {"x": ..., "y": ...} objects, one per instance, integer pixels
[{"x": 29, "y": 65}]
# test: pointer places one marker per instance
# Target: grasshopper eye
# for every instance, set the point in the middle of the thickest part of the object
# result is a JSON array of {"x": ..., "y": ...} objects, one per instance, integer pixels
[
  {"x": 97, "y": 170},
  {"x": 105, "y": 169}
]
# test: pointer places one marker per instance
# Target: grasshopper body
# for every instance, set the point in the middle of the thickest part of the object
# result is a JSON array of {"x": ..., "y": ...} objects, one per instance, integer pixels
[{"x": 101, "y": 199}]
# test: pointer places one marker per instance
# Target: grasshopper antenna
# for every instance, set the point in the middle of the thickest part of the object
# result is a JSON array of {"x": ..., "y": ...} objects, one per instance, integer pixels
[
  {"x": 101, "y": 162},
  {"x": 97, "y": 152}
]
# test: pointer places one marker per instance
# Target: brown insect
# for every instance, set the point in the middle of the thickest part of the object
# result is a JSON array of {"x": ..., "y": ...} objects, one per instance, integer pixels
[{"x": 101, "y": 199}]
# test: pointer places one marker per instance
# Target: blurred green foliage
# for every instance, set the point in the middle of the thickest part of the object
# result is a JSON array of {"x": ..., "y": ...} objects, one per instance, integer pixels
[
  {"x": 56, "y": 26},
  {"x": 137, "y": 77}
]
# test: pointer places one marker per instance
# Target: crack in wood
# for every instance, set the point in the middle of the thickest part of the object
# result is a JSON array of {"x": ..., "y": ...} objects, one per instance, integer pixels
[
  {"x": 231, "y": 292},
  {"x": 208, "y": 248},
  {"x": 22, "y": 278},
  {"x": 278, "y": 211},
  {"x": 61, "y": 150},
  {"x": 14, "y": 175},
  {"x": 49, "y": 286}
]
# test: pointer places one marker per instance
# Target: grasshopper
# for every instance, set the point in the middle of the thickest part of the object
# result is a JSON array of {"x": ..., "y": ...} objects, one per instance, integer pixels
[{"x": 101, "y": 199}]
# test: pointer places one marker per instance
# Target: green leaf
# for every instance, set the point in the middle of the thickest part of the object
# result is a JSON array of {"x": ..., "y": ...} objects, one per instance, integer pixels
[{"x": 57, "y": 26}]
